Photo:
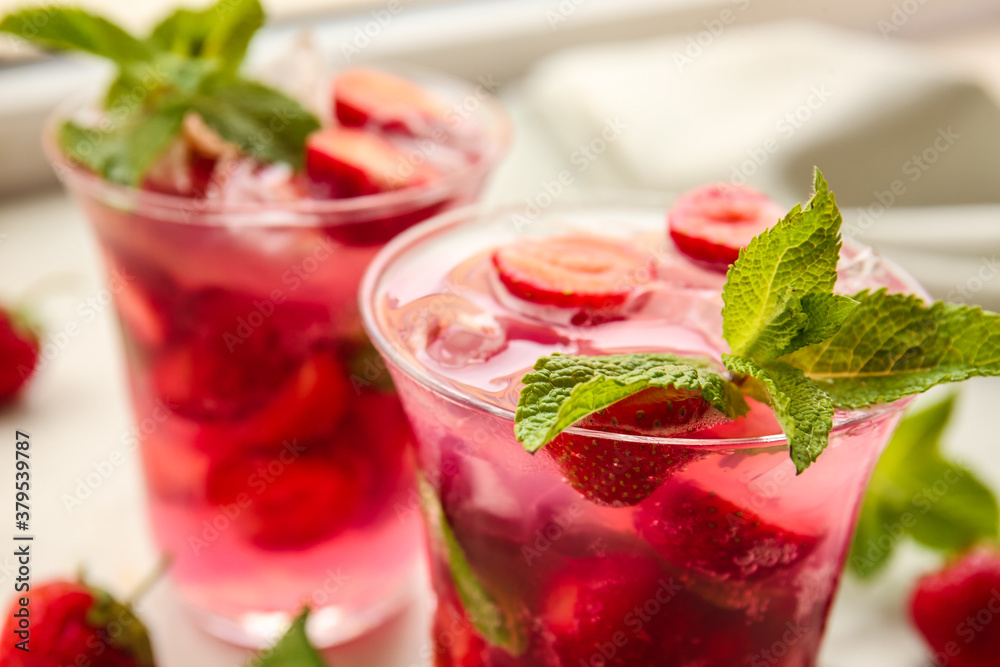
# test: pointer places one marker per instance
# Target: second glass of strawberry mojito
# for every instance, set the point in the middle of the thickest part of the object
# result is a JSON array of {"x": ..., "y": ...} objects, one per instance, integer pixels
[
  {"x": 654, "y": 533},
  {"x": 273, "y": 442}
]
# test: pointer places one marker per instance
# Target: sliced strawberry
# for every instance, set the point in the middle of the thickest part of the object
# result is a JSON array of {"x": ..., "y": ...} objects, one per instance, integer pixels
[
  {"x": 956, "y": 610},
  {"x": 19, "y": 347},
  {"x": 621, "y": 473},
  {"x": 587, "y": 272},
  {"x": 346, "y": 162},
  {"x": 234, "y": 352},
  {"x": 587, "y": 603},
  {"x": 289, "y": 499},
  {"x": 363, "y": 96},
  {"x": 711, "y": 224},
  {"x": 309, "y": 406},
  {"x": 701, "y": 532}
]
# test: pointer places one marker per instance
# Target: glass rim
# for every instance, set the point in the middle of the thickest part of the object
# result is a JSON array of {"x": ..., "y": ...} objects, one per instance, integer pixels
[
  {"x": 175, "y": 207},
  {"x": 478, "y": 214}
]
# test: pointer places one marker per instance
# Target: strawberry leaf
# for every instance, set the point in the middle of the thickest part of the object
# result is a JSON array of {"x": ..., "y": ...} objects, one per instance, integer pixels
[{"x": 132, "y": 637}]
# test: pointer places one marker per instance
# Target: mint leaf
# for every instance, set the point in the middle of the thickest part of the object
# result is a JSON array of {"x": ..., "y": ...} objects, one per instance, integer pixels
[
  {"x": 496, "y": 624},
  {"x": 795, "y": 257},
  {"x": 804, "y": 412},
  {"x": 66, "y": 29},
  {"x": 564, "y": 389},
  {"x": 916, "y": 492},
  {"x": 825, "y": 314},
  {"x": 125, "y": 152},
  {"x": 894, "y": 345},
  {"x": 292, "y": 650},
  {"x": 262, "y": 121},
  {"x": 221, "y": 31}
]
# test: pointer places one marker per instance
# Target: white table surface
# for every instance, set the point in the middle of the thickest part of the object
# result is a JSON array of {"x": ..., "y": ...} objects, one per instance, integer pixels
[{"x": 76, "y": 412}]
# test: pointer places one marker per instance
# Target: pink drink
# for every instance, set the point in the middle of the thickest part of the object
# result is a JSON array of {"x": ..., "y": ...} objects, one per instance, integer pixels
[
  {"x": 732, "y": 560},
  {"x": 273, "y": 442}
]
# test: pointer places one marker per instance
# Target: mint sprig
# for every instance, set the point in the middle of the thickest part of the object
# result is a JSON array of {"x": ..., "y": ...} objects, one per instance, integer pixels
[
  {"x": 915, "y": 492},
  {"x": 292, "y": 650},
  {"x": 188, "y": 64},
  {"x": 795, "y": 344}
]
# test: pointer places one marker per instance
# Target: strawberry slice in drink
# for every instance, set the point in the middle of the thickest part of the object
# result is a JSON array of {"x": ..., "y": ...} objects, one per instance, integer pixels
[
  {"x": 365, "y": 96},
  {"x": 348, "y": 162},
  {"x": 702, "y": 532},
  {"x": 593, "y": 275},
  {"x": 711, "y": 224},
  {"x": 621, "y": 473},
  {"x": 623, "y": 610},
  {"x": 232, "y": 353},
  {"x": 288, "y": 499},
  {"x": 309, "y": 406}
]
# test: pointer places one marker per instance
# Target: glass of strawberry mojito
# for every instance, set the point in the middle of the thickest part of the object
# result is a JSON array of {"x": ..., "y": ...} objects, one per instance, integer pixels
[
  {"x": 275, "y": 450},
  {"x": 655, "y": 532}
]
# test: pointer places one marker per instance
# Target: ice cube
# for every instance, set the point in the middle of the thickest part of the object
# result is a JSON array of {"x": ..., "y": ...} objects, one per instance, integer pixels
[{"x": 465, "y": 338}]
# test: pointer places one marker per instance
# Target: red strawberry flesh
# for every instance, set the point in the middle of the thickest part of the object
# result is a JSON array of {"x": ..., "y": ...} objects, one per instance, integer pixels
[
  {"x": 618, "y": 472},
  {"x": 363, "y": 96},
  {"x": 347, "y": 162},
  {"x": 579, "y": 271},
  {"x": 702, "y": 532},
  {"x": 957, "y": 610},
  {"x": 19, "y": 346},
  {"x": 711, "y": 224},
  {"x": 290, "y": 499}
]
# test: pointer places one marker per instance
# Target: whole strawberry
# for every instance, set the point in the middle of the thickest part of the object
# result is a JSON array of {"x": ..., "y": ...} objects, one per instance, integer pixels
[
  {"x": 957, "y": 610},
  {"x": 18, "y": 354},
  {"x": 70, "y": 623}
]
